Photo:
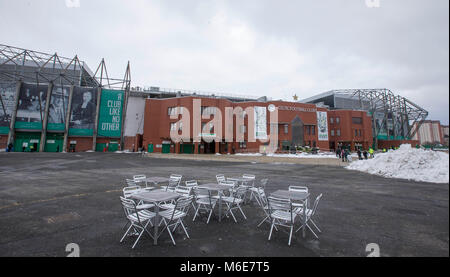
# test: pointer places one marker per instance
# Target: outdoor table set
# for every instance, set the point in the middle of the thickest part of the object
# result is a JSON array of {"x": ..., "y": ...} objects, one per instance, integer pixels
[{"x": 170, "y": 204}]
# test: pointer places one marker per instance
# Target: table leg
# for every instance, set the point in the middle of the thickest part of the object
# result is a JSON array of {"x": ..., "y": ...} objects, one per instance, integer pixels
[
  {"x": 304, "y": 218},
  {"x": 220, "y": 207},
  {"x": 155, "y": 237}
]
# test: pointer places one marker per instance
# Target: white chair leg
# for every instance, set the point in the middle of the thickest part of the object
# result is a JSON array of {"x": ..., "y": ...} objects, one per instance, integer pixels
[
  {"x": 315, "y": 226},
  {"x": 242, "y": 212},
  {"x": 126, "y": 233},
  {"x": 137, "y": 239},
  {"x": 209, "y": 217},
  {"x": 307, "y": 225},
  {"x": 196, "y": 212},
  {"x": 271, "y": 229},
  {"x": 290, "y": 235},
  {"x": 170, "y": 234},
  {"x": 184, "y": 228}
]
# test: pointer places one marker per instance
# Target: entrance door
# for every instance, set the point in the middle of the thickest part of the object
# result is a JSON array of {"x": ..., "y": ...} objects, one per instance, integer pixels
[
  {"x": 166, "y": 148},
  {"x": 113, "y": 147},
  {"x": 187, "y": 148},
  {"x": 298, "y": 136},
  {"x": 150, "y": 148},
  {"x": 100, "y": 147},
  {"x": 54, "y": 143},
  {"x": 27, "y": 142}
]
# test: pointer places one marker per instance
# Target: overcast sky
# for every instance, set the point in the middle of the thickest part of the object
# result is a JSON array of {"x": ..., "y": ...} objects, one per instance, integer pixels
[{"x": 250, "y": 47}]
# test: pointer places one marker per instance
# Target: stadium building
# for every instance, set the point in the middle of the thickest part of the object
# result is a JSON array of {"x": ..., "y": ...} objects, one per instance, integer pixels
[
  {"x": 51, "y": 103},
  {"x": 395, "y": 119}
]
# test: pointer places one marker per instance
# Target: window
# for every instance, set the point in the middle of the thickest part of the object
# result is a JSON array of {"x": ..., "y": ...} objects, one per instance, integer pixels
[
  {"x": 286, "y": 128},
  {"x": 308, "y": 130},
  {"x": 356, "y": 133},
  {"x": 360, "y": 132},
  {"x": 357, "y": 120},
  {"x": 331, "y": 120},
  {"x": 208, "y": 110},
  {"x": 338, "y": 120},
  {"x": 313, "y": 130},
  {"x": 338, "y": 133},
  {"x": 174, "y": 110},
  {"x": 243, "y": 129},
  {"x": 332, "y": 133}
]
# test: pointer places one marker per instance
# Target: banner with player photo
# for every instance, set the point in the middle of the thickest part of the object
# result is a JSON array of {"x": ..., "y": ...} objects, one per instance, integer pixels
[{"x": 82, "y": 117}]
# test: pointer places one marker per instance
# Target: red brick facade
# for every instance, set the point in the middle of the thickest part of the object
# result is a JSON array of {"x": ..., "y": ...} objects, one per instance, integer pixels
[
  {"x": 157, "y": 125},
  {"x": 350, "y": 128}
]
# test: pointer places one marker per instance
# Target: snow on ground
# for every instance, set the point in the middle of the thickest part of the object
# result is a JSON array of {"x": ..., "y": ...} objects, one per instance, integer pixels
[
  {"x": 407, "y": 163},
  {"x": 299, "y": 155}
]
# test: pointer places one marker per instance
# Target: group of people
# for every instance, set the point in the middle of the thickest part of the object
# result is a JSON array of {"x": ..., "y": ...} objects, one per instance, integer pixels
[{"x": 345, "y": 154}]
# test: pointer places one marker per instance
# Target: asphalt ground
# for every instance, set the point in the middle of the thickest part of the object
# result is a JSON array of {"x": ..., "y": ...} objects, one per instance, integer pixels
[{"x": 48, "y": 200}]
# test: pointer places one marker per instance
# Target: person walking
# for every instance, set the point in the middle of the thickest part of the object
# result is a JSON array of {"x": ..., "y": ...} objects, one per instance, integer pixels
[
  {"x": 371, "y": 153},
  {"x": 359, "y": 154},
  {"x": 338, "y": 153},
  {"x": 365, "y": 154},
  {"x": 343, "y": 154}
]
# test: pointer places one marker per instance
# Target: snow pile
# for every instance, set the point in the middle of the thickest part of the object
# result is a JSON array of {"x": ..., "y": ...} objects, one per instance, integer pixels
[{"x": 407, "y": 163}]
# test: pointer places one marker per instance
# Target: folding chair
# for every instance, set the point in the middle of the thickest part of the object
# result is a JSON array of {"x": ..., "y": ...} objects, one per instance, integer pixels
[
  {"x": 191, "y": 183},
  {"x": 182, "y": 191},
  {"x": 140, "y": 179},
  {"x": 204, "y": 201},
  {"x": 174, "y": 217},
  {"x": 281, "y": 214},
  {"x": 138, "y": 220},
  {"x": 261, "y": 195},
  {"x": 128, "y": 191},
  {"x": 309, "y": 216},
  {"x": 254, "y": 191},
  {"x": 174, "y": 181},
  {"x": 298, "y": 189},
  {"x": 234, "y": 202},
  {"x": 220, "y": 178}
]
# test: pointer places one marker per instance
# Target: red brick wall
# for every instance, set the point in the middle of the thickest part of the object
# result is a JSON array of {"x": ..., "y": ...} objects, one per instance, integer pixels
[
  {"x": 157, "y": 121},
  {"x": 348, "y": 128},
  {"x": 396, "y": 143},
  {"x": 3, "y": 141},
  {"x": 83, "y": 143}
]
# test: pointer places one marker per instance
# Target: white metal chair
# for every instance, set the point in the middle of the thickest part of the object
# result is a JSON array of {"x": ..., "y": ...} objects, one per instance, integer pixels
[
  {"x": 174, "y": 217},
  {"x": 220, "y": 178},
  {"x": 231, "y": 186},
  {"x": 204, "y": 201},
  {"x": 309, "y": 216},
  {"x": 138, "y": 220},
  {"x": 302, "y": 189},
  {"x": 255, "y": 191},
  {"x": 174, "y": 181},
  {"x": 182, "y": 191},
  {"x": 128, "y": 191},
  {"x": 130, "y": 182},
  {"x": 251, "y": 179},
  {"x": 262, "y": 200},
  {"x": 191, "y": 183},
  {"x": 140, "y": 179},
  {"x": 234, "y": 202},
  {"x": 281, "y": 214}
]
